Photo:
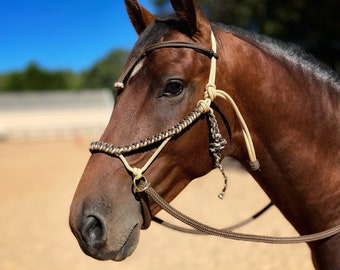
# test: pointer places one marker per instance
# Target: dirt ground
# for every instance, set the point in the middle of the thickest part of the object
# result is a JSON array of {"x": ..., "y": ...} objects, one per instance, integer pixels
[{"x": 37, "y": 182}]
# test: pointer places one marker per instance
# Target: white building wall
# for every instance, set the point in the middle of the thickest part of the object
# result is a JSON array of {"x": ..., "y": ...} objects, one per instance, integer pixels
[{"x": 54, "y": 114}]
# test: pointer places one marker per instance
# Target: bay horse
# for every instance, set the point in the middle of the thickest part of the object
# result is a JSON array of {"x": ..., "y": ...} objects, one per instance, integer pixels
[{"x": 289, "y": 100}]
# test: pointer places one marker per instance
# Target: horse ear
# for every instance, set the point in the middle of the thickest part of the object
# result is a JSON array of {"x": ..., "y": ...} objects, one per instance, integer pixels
[
  {"x": 139, "y": 16},
  {"x": 189, "y": 13}
]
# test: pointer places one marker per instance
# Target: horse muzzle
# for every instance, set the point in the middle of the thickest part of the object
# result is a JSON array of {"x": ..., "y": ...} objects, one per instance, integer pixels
[{"x": 104, "y": 232}]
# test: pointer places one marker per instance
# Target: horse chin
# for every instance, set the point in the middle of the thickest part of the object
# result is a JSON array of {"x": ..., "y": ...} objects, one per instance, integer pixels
[
  {"x": 117, "y": 250},
  {"x": 129, "y": 245}
]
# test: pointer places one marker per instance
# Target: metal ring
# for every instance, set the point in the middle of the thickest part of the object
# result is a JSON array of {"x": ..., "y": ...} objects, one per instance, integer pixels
[{"x": 140, "y": 185}]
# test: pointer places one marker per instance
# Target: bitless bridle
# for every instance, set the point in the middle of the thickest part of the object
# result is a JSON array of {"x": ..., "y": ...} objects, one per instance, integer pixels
[
  {"x": 203, "y": 106},
  {"x": 140, "y": 183}
]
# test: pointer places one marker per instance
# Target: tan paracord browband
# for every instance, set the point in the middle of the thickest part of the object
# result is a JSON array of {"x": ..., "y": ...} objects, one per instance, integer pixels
[{"x": 141, "y": 184}]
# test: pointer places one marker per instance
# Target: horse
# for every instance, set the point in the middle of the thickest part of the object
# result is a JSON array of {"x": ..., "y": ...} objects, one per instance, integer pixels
[{"x": 289, "y": 101}]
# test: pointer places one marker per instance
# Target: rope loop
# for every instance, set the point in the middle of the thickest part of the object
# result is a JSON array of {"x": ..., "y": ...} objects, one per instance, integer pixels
[{"x": 210, "y": 91}]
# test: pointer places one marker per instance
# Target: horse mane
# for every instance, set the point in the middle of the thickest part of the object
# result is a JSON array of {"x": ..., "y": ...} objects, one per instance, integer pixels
[{"x": 289, "y": 51}]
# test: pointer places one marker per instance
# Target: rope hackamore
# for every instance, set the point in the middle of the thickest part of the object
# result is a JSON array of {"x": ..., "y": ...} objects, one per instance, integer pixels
[
  {"x": 140, "y": 183},
  {"x": 203, "y": 107}
]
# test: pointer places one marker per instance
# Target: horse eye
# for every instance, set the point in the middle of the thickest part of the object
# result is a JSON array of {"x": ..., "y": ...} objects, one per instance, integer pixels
[{"x": 173, "y": 88}]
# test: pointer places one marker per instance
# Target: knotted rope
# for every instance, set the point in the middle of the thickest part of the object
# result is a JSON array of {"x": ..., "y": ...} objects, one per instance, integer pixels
[{"x": 211, "y": 93}]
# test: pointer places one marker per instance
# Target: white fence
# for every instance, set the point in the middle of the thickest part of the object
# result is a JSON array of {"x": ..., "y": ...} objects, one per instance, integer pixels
[{"x": 54, "y": 114}]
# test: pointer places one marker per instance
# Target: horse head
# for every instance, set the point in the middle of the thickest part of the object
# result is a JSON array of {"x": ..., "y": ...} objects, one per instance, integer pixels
[
  {"x": 160, "y": 88},
  {"x": 163, "y": 130}
]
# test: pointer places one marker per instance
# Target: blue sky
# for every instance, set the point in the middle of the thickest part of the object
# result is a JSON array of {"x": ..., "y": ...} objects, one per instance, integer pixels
[{"x": 62, "y": 34}]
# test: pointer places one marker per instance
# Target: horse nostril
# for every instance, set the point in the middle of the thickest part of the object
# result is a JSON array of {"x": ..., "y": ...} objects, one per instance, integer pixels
[{"x": 93, "y": 231}]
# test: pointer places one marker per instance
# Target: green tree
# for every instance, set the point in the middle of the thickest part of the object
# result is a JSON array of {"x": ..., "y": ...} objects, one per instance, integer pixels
[
  {"x": 101, "y": 75},
  {"x": 105, "y": 71},
  {"x": 36, "y": 78},
  {"x": 311, "y": 24},
  {"x": 12, "y": 81}
]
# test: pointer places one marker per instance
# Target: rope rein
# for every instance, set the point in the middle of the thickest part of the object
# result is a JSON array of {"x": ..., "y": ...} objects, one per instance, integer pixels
[
  {"x": 233, "y": 235},
  {"x": 229, "y": 228},
  {"x": 140, "y": 183}
]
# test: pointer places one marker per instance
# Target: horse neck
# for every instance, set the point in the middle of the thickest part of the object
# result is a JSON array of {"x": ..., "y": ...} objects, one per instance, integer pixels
[{"x": 293, "y": 118}]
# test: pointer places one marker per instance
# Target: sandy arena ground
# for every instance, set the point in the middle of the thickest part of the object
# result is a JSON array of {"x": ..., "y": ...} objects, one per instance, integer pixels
[{"x": 37, "y": 182}]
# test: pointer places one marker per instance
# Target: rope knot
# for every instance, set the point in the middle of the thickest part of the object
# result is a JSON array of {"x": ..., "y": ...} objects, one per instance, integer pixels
[
  {"x": 210, "y": 91},
  {"x": 137, "y": 173},
  {"x": 118, "y": 85},
  {"x": 254, "y": 165},
  {"x": 205, "y": 103}
]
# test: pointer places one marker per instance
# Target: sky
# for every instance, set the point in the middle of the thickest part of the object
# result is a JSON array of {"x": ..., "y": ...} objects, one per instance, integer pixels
[{"x": 62, "y": 34}]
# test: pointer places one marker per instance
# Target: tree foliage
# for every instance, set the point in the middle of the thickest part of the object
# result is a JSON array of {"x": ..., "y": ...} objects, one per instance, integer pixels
[
  {"x": 36, "y": 78},
  {"x": 105, "y": 71},
  {"x": 101, "y": 75},
  {"x": 313, "y": 25}
]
